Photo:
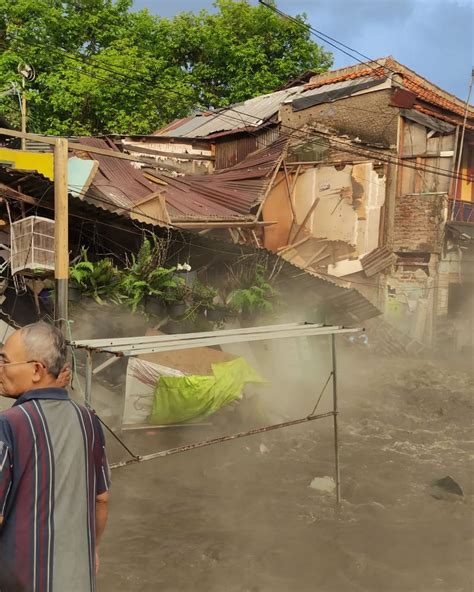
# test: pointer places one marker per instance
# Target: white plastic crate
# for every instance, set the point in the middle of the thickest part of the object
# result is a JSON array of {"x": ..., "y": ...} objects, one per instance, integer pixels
[{"x": 32, "y": 245}]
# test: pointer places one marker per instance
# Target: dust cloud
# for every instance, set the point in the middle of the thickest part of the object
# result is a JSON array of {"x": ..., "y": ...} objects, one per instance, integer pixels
[{"x": 241, "y": 517}]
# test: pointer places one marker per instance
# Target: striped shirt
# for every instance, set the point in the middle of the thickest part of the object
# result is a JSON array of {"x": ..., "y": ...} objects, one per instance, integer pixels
[{"x": 52, "y": 467}]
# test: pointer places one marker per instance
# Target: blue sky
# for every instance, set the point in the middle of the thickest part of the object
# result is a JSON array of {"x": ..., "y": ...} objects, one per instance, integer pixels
[{"x": 433, "y": 37}]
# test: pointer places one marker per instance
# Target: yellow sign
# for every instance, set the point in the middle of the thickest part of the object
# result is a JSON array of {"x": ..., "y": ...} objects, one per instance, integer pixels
[{"x": 43, "y": 162}]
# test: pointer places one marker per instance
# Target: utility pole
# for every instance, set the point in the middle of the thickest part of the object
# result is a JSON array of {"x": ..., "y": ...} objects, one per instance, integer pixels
[{"x": 61, "y": 238}]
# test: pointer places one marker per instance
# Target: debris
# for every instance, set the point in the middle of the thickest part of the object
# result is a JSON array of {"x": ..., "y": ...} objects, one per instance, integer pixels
[
  {"x": 445, "y": 488},
  {"x": 323, "y": 484},
  {"x": 264, "y": 449}
]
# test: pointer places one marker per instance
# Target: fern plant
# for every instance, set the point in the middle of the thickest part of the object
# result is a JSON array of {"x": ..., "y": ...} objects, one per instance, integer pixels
[
  {"x": 99, "y": 280},
  {"x": 259, "y": 296},
  {"x": 144, "y": 276}
]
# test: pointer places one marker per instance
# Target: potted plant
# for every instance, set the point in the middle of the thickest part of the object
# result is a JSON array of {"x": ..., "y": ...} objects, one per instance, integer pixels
[
  {"x": 183, "y": 271},
  {"x": 78, "y": 279},
  {"x": 255, "y": 297},
  {"x": 175, "y": 297},
  {"x": 97, "y": 279},
  {"x": 145, "y": 281},
  {"x": 203, "y": 296}
]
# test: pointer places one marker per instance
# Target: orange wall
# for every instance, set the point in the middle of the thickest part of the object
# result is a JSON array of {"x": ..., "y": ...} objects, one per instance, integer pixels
[{"x": 277, "y": 209}]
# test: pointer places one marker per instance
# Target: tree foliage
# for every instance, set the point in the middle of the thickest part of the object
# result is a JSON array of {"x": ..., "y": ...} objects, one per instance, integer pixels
[{"x": 103, "y": 68}]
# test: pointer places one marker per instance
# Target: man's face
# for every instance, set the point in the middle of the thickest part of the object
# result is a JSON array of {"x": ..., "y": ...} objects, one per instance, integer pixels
[{"x": 18, "y": 374}]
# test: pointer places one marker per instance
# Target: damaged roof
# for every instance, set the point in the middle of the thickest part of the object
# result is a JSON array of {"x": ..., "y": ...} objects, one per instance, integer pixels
[
  {"x": 327, "y": 87},
  {"x": 251, "y": 113},
  {"x": 348, "y": 305},
  {"x": 240, "y": 188},
  {"x": 227, "y": 195}
]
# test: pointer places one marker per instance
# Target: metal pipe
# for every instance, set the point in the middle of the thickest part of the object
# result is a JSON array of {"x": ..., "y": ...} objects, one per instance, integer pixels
[
  {"x": 99, "y": 343},
  {"x": 213, "y": 339},
  {"x": 335, "y": 412},
  {"x": 188, "y": 447},
  {"x": 89, "y": 371}
]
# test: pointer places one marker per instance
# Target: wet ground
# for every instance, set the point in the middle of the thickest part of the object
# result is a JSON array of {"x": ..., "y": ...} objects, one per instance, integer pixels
[{"x": 241, "y": 517}]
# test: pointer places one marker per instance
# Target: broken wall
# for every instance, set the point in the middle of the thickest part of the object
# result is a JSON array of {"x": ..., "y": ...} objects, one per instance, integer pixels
[
  {"x": 186, "y": 157},
  {"x": 350, "y": 200},
  {"x": 427, "y": 154},
  {"x": 368, "y": 116},
  {"x": 410, "y": 296},
  {"x": 419, "y": 223}
]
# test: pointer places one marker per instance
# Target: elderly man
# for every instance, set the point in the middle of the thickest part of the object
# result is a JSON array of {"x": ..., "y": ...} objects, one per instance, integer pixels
[{"x": 54, "y": 476}]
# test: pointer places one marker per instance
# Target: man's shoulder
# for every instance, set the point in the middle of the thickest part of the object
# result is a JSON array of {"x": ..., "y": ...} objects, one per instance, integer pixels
[
  {"x": 9, "y": 421},
  {"x": 12, "y": 414}
]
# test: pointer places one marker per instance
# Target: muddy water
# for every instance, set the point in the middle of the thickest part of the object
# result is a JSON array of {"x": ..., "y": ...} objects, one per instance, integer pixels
[{"x": 230, "y": 518}]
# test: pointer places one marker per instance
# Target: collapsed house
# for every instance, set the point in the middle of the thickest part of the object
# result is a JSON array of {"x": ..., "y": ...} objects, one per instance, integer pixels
[
  {"x": 351, "y": 176},
  {"x": 375, "y": 189}
]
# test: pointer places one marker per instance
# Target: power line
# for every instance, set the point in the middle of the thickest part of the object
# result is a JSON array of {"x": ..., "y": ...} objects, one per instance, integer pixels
[
  {"x": 425, "y": 168},
  {"x": 371, "y": 152}
]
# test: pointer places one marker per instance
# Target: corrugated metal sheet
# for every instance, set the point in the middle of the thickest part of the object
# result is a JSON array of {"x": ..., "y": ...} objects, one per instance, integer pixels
[
  {"x": 226, "y": 195},
  {"x": 230, "y": 152},
  {"x": 241, "y": 115},
  {"x": 377, "y": 260},
  {"x": 117, "y": 180},
  {"x": 233, "y": 192},
  {"x": 126, "y": 186}
]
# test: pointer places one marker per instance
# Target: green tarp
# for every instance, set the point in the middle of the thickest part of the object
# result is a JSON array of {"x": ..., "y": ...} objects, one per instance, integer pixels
[{"x": 184, "y": 398}]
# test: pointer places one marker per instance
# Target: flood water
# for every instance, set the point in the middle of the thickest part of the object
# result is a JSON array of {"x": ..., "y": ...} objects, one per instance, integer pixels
[{"x": 241, "y": 517}]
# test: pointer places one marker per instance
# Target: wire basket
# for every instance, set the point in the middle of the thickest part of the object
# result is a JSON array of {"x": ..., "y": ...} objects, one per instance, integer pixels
[{"x": 32, "y": 245}]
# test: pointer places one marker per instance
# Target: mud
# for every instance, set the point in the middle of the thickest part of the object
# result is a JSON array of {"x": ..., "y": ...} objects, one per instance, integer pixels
[{"x": 239, "y": 517}]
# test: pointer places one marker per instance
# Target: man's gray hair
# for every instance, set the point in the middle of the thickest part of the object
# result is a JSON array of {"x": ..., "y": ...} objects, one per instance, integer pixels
[{"x": 45, "y": 343}]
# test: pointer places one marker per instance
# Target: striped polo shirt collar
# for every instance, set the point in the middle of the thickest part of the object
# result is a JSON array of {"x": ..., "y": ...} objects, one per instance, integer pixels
[{"x": 58, "y": 394}]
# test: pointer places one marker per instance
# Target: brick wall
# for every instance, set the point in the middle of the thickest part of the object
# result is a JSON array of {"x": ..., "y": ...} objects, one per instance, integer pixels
[{"x": 419, "y": 223}]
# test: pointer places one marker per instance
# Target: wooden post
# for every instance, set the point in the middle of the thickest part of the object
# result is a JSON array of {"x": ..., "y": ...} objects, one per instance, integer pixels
[{"x": 61, "y": 240}]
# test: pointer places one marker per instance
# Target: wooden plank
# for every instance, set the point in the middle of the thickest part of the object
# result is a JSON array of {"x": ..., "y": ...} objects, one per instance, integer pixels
[
  {"x": 180, "y": 155},
  {"x": 7, "y": 191},
  {"x": 306, "y": 218},
  {"x": 270, "y": 185},
  {"x": 316, "y": 255},
  {"x": 293, "y": 245}
]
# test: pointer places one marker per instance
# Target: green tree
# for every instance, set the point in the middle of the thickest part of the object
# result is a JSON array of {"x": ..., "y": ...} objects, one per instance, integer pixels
[{"x": 102, "y": 68}]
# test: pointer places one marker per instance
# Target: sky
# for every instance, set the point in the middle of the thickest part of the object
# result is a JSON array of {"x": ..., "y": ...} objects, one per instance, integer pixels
[{"x": 432, "y": 37}]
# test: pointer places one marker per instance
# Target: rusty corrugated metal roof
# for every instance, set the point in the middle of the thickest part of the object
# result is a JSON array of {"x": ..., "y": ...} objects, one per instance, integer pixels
[
  {"x": 348, "y": 305},
  {"x": 232, "y": 192},
  {"x": 228, "y": 195},
  {"x": 125, "y": 186}
]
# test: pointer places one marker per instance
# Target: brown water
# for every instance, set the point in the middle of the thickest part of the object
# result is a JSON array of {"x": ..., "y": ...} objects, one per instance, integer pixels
[{"x": 229, "y": 518}]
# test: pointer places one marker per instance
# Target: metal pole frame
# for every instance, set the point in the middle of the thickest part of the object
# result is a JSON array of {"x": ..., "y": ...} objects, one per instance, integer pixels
[
  {"x": 89, "y": 373},
  {"x": 188, "y": 447},
  {"x": 335, "y": 413}
]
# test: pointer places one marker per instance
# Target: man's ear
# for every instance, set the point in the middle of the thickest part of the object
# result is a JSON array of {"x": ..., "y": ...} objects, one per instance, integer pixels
[{"x": 39, "y": 372}]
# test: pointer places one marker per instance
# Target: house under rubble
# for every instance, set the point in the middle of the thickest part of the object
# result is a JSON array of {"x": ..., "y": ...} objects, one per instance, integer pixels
[{"x": 368, "y": 192}]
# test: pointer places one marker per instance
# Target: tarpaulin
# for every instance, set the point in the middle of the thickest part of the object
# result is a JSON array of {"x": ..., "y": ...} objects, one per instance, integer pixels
[{"x": 179, "y": 399}]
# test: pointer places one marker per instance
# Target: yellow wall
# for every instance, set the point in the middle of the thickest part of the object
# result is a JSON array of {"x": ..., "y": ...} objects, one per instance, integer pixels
[
  {"x": 465, "y": 188},
  {"x": 43, "y": 162}
]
